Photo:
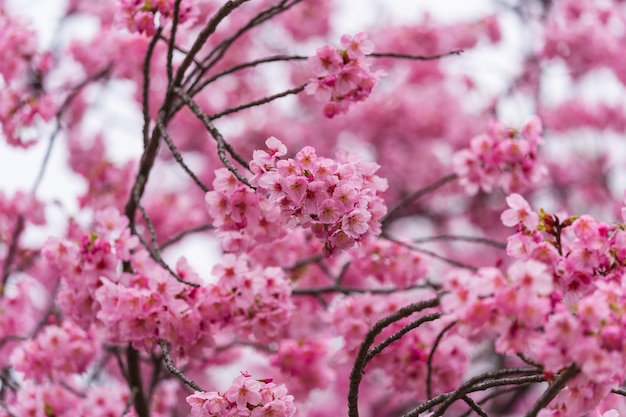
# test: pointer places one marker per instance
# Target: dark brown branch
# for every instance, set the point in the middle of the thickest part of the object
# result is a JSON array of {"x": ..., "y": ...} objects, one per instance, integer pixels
[
  {"x": 479, "y": 383},
  {"x": 416, "y": 195},
  {"x": 619, "y": 391},
  {"x": 398, "y": 335},
  {"x": 221, "y": 142},
  {"x": 200, "y": 41},
  {"x": 218, "y": 52},
  {"x": 471, "y": 239},
  {"x": 430, "y": 253},
  {"x": 356, "y": 375},
  {"x": 172, "y": 43},
  {"x": 250, "y": 64},
  {"x": 347, "y": 290},
  {"x": 432, "y": 354},
  {"x": 181, "y": 235},
  {"x": 259, "y": 102},
  {"x": 156, "y": 256},
  {"x": 472, "y": 404},
  {"x": 175, "y": 371},
  {"x": 134, "y": 382},
  {"x": 178, "y": 157},
  {"x": 415, "y": 57},
  {"x": 555, "y": 387},
  {"x": 145, "y": 102}
]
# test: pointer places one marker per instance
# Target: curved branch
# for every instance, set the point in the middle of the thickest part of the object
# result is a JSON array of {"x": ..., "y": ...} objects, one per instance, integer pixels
[
  {"x": 175, "y": 371},
  {"x": 222, "y": 146},
  {"x": 398, "y": 335},
  {"x": 555, "y": 387},
  {"x": 356, "y": 375},
  {"x": 461, "y": 238},
  {"x": 430, "y": 253},
  {"x": 416, "y": 195},
  {"x": 430, "y": 357}
]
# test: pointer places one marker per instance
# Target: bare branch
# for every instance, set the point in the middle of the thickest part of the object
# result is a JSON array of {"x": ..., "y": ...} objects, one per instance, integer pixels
[
  {"x": 221, "y": 142},
  {"x": 430, "y": 357},
  {"x": 471, "y": 239},
  {"x": 430, "y": 253},
  {"x": 416, "y": 195},
  {"x": 555, "y": 387},
  {"x": 398, "y": 335},
  {"x": 181, "y": 235},
  {"x": 175, "y": 371},
  {"x": 416, "y": 57},
  {"x": 178, "y": 157},
  {"x": 145, "y": 102}
]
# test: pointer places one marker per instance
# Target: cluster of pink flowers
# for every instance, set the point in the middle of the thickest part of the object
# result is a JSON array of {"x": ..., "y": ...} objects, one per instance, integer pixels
[
  {"x": 240, "y": 216},
  {"x": 144, "y": 16},
  {"x": 246, "y": 397},
  {"x": 56, "y": 352},
  {"x": 255, "y": 301},
  {"x": 501, "y": 158},
  {"x": 344, "y": 75},
  {"x": 561, "y": 304},
  {"x": 148, "y": 304},
  {"x": 339, "y": 200}
]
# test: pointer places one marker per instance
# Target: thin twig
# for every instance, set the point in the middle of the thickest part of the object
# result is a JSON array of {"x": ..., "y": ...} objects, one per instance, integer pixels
[
  {"x": 145, "y": 101},
  {"x": 156, "y": 256},
  {"x": 416, "y": 195},
  {"x": 347, "y": 290},
  {"x": 415, "y": 57},
  {"x": 529, "y": 361},
  {"x": 398, "y": 335},
  {"x": 221, "y": 142},
  {"x": 430, "y": 253},
  {"x": 432, "y": 354},
  {"x": 259, "y": 102},
  {"x": 203, "y": 36},
  {"x": 471, "y": 239},
  {"x": 181, "y": 235},
  {"x": 175, "y": 371},
  {"x": 178, "y": 157}
]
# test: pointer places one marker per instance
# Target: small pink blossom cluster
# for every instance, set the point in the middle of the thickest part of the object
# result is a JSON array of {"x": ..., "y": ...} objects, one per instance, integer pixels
[
  {"x": 246, "y": 397},
  {"x": 255, "y": 301},
  {"x": 339, "y": 200},
  {"x": 304, "y": 364},
  {"x": 144, "y": 16},
  {"x": 243, "y": 220},
  {"x": 405, "y": 362},
  {"x": 344, "y": 75},
  {"x": 137, "y": 307},
  {"x": 501, "y": 158},
  {"x": 56, "y": 352},
  {"x": 388, "y": 263}
]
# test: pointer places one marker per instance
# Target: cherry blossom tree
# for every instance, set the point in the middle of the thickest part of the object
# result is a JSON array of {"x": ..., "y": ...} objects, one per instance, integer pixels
[{"x": 424, "y": 217}]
